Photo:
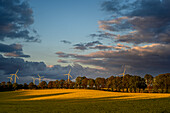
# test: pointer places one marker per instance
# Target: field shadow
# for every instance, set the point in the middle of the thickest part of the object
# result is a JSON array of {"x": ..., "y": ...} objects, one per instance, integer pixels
[
  {"x": 36, "y": 96},
  {"x": 112, "y": 97}
]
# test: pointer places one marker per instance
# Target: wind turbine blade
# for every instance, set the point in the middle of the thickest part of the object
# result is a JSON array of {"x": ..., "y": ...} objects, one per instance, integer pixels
[
  {"x": 124, "y": 70},
  {"x": 121, "y": 74},
  {"x": 65, "y": 74},
  {"x": 69, "y": 71},
  {"x": 42, "y": 76},
  {"x": 70, "y": 76},
  {"x": 16, "y": 71},
  {"x": 17, "y": 76},
  {"x": 38, "y": 75}
]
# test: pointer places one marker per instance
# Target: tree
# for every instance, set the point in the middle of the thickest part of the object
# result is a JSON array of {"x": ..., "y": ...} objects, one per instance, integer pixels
[
  {"x": 103, "y": 82},
  {"x": 91, "y": 83},
  {"x": 136, "y": 84},
  {"x": 25, "y": 86},
  {"x": 3, "y": 85},
  {"x": 54, "y": 84},
  {"x": 167, "y": 82},
  {"x": 149, "y": 81},
  {"x": 98, "y": 83},
  {"x": 20, "y": 86},
  {"x": 66, "y": 84},
  {"x": 162, "y": 81},
  {"x": 9, "y": 86},
  {"x": 50, "y": 84},
  {"x": 61, "y": 83},
  {"x": 114, "y": 84},
  {"x": 109, "y": 82},
  {"x": 43, "y": 85},
  {"x": 72, "y": 84},
  {"x": 31, "y": 85},
  {"x": 126, "y": 82},
  {"x": 15, "y": 86},
  {"x": 84, "y": 82},
  {"x": 142, "y": 84},
  {"x": 118, "y": 83},
  {"x": 79, "y": 81}
]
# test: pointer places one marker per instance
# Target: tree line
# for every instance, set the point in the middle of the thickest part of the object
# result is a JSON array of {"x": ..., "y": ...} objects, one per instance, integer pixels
[{"x": 128, "y": 83}]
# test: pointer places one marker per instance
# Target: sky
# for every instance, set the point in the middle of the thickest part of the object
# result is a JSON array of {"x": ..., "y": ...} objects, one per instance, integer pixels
[{"x": 94, "y": 38}]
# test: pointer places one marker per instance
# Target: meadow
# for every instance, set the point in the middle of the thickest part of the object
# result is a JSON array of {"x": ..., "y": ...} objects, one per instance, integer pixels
[{"x": 82, "y": 101}]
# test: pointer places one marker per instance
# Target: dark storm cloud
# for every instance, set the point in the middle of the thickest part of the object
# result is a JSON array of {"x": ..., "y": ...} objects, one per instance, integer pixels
[
  {"x": 13, "y": 50},
  {"x": 102, "y": 47},
  {"x": 15, "y": 20},
  {"x": 152, "y": 58},
  {"x": 65, "y": 41},
  {"x": 27, "y": 70},
  {"x": 106, "y": 47},
  {"x": 85, "y": 46},
  {"x": 16, "y": 54},
  {"x": 10, "y": 48},
  {"x": 80, "y": 46},
  {"x": 140, "y": 21}
]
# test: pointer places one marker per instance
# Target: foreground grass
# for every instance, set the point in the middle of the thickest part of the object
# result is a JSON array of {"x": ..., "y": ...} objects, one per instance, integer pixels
[{"x": 40, "y": 101}]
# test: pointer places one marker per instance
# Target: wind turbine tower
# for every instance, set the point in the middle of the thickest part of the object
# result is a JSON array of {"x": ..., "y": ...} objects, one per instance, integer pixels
[
  {"x": 40, "y": 78},
  {"x": 15, "y": 81},
  {"x": 69, "y": 75},
  {"x": 33, "y": 80}
]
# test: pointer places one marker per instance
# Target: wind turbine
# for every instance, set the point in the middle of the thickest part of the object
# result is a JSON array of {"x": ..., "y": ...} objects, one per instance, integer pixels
[
  {"x": 40, "y": 78},
  {"x": 15, "y": 81},
  {"x": 11, "y": 78},
  {"x": 69, "y": 75},
  {"x": 33, "y": 80},
  {"x": 123, "y": 71}
]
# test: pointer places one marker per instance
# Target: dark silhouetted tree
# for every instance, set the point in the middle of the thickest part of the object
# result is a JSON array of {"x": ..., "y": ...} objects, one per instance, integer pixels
[
  {"x": 91, "y": 83},
  {"x": 25, "y": 86},
  {"x": 43, "y": 85},
  {"x": 149, "y": 81},
  {"x": 50, "y": 84},
  {"x": 84, "y": 82},
  {"x": 15, "y": 86}
]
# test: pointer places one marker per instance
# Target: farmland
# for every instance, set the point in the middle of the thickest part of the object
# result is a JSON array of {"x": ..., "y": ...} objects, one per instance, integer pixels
[{"x": 81, "y": 100}]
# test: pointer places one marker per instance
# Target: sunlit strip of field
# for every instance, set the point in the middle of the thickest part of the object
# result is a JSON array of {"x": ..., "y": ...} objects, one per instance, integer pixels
[{"x": 86, "y": 94}]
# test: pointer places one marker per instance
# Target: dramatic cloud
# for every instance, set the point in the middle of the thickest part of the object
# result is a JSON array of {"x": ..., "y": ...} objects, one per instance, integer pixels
[
  {"x": 105, "y": 47},
  {"x": 85, "y": 46},
  {"x": 62, "y": 61},
  {"x": 27, "y": 70},
  {"x": 16, "y": 54},
  {"x": 137, "y": 21},
  {"x": 102, "y": 35},
  {"x": 10, "y": 48},
  {"x": 152, "y": 58},
  {"x": 65, "y": 41},
  {"x": 13, "y": 50},
  {"x": 16, "y": 18},
  {"x": 102, "y": 47}
]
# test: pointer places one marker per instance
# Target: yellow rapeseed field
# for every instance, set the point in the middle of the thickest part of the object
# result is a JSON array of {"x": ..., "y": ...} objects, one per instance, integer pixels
[{"x": 86, "y": 94}]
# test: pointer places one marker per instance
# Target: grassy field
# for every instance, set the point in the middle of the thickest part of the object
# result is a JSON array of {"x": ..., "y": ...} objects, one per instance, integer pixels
[{"x": 82, "y": 101}]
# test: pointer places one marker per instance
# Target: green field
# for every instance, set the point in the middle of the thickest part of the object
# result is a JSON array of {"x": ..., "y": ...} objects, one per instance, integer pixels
[{"x": 12, "y": 102}]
